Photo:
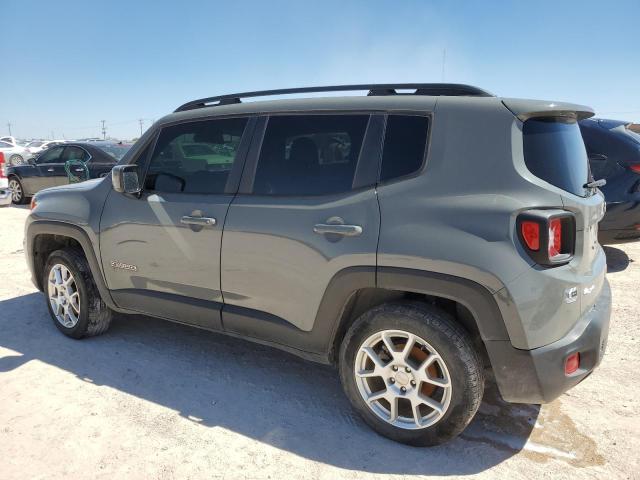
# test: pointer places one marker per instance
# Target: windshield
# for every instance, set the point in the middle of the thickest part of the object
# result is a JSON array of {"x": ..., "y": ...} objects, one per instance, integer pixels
[
  {"x": 115, "y": 150},
  {"x": 554, "y": 151},
  {"x": 35, "y": 144}
]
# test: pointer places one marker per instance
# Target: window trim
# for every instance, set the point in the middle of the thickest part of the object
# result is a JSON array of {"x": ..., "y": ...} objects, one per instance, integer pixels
[
  {"x": 427, "y": 150},
  {"x": 61, "y": 147},
  {"x": 233, "y": 180},
  {"x": 368, "y": 141}
]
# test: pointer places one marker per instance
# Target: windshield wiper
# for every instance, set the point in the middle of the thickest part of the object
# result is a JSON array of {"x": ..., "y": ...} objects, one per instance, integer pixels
[{"x": 595, "y": 183}]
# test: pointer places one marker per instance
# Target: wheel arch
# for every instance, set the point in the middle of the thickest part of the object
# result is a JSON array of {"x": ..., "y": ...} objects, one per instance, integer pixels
[
  {"x": 472, "y": 304},
  {"x": 44, "y": 237}
]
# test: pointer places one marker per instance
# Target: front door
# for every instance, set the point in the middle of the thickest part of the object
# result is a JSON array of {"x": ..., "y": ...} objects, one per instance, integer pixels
[
  {"x": 306, "y": 217},
  {"x": 161, "y": 250},
  {"x": 48, "y": 169}
]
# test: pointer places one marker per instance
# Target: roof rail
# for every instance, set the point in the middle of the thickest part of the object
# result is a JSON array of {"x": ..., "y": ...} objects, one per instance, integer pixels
[{"x": 375, "y": 89}]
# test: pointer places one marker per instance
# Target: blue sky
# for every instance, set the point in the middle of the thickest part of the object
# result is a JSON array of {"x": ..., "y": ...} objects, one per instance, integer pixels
[{"x": 69, "y": 64}]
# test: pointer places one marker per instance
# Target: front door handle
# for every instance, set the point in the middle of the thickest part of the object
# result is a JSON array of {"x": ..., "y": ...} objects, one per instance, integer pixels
[
  {"x": 50, "y": 169},
  {"x": 337, "y": 229},
  {"x": 200, "y": 221}
]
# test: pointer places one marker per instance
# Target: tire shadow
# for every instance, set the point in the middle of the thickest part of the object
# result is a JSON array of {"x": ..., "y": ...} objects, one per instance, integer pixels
[
  {"x": 278, "y": 399},
  {"x": 617, "y": 259}
]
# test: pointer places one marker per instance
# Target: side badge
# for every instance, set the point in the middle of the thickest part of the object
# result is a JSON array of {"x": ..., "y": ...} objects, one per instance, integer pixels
[
  {"x": 124, "y": 266},
  {"x": 571, "y": 295}
]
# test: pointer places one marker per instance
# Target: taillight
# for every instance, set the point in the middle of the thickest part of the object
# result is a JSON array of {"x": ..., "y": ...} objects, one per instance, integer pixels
[
  {"x": 3, "y": 174},
  {"x": 555, "y": 237},
  {"x": 635, "y": 167},
  {"x": 548, "y": 236},
  {"x": 34, "y": 203},
  {"x": 531, "y": 234}
]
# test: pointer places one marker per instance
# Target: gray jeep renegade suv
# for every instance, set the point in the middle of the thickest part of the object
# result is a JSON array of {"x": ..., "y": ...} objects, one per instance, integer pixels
[{"x": 412, "y": 237}]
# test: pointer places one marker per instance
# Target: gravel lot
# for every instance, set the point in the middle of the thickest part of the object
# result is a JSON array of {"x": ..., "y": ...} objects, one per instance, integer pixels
[{"x": 151, "y": 399}]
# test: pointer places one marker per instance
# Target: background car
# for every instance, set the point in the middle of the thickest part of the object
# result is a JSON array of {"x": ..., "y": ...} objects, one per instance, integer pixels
[
  {"x": 5, "y": 194},
  {"x": 37, "y": 146},
  {"x": 48, "y": 169},
  {"x": 614, "y": 154},
  {"x": 14, "y": 154}
]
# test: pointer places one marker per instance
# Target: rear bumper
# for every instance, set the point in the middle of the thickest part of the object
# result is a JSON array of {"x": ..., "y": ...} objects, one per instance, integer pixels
[
  {"x": 537, "y": 376},
  {"x": 5, "y": 194}
]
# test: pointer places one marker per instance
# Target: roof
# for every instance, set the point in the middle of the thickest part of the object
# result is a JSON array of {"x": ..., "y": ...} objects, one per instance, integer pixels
[{"x": 377, "y": 99}]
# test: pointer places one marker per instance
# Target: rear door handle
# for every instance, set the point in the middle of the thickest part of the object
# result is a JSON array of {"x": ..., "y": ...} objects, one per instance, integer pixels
[
  {"x": 344, "y": 230},
  {"x": 50, "y": 169},
  {"x": 201, "y": 221}
]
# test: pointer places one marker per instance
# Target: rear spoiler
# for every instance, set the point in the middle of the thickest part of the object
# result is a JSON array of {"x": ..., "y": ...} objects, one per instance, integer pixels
[{"x": 526, "y": 109}]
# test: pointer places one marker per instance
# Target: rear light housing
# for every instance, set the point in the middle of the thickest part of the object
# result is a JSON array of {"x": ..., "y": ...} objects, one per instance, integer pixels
[
  {"x": 3, "y": 173},
  {"x": 548, "y": 236},
  {"x": 634, "y": 167}
]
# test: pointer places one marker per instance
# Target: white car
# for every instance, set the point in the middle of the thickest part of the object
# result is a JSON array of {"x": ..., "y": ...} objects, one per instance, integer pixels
[
  {"x": 5, "y": 193},
  {"x": 14, "y": 154},
  {"x": 36, "y": 146}
]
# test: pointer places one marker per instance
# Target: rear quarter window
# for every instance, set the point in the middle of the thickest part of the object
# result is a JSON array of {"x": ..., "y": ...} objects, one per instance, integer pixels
[{"x": 554, "y": 151}]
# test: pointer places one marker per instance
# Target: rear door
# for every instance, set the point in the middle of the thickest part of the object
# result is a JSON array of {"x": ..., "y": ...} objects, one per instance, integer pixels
[
  {"x": 161, "y": 249},
  {"x": 306, "y": 210},
  {"x": 73, "y": 158}
]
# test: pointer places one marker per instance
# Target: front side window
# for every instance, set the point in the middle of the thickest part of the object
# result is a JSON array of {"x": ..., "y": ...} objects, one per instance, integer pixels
[
  {"x": 309, "y": 154},
  {"x": 53, "y": 155},
  {"x": 554, "y": 151},
  {"x": 195, "y": 157},
  {"x": 405, "y": 142}
]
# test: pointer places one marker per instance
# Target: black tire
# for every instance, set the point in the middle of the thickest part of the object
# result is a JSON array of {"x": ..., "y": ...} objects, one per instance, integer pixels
[
  {"x": 95, "y": 316},
  {"x": 453, "y": 344},
  {"x": 23, "y": 198}
]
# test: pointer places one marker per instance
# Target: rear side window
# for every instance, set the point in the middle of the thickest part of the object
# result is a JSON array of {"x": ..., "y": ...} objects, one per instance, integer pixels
[
  {"x": 309, "y": 154},
  {"x": 405, "y": 142},
  {"x": 195, "y": 157},
  {"x": 554, "y": 151}
]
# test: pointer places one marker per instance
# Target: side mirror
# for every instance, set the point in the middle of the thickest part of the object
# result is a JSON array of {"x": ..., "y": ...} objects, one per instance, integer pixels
[{"x": 125, "y": 179}]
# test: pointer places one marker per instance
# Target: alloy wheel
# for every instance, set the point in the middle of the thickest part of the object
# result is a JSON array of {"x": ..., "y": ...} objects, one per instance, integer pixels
[
  {"x": 64, "y": 296},
  {"x": 403, "y": 379},
  {"x": 16, "y": 190}
]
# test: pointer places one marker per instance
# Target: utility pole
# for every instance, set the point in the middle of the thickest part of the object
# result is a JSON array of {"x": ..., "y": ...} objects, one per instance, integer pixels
[
  {"x": 104, "y": 130},
  {"x": 444, "y": 61},
  {"x": 9, "y": 125},
  {"x": 141, "y": 120}
]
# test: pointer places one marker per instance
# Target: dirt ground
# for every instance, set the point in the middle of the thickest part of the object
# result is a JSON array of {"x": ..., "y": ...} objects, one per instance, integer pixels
[{"x": 151, "y": 399}]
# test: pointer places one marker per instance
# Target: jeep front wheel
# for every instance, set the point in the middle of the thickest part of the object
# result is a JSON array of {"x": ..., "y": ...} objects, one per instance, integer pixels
[
  {"x": 412, "y": 373},
  {"x": 73, "y": 299}
]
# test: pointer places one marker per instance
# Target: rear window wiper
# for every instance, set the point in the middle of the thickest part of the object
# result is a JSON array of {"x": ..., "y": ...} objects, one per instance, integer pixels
[{"x": 595, "y": 183}]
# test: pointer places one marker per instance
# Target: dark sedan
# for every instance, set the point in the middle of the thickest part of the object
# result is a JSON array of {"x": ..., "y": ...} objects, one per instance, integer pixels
[
  {"x": 83, "y": 160},
  {"x": 614, "y": 154}
]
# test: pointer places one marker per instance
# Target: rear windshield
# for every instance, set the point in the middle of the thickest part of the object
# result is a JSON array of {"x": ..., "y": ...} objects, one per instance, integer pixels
[
  {"x": 554, "y": 151},
  {"x": 116, "y": 150}
]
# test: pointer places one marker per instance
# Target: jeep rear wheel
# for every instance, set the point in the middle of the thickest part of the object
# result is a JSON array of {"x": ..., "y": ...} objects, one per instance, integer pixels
[
  {"x": 73, "y": 299},
  {"x": 412, "y": 373}
]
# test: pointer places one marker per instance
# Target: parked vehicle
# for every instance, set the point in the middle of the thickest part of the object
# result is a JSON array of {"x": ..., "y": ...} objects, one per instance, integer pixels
[
  {"x": 5, "y": 193},
  {"x": 405, "y": 244},
  {"x": 36, "y": 146},
  {"x": 48, "y": 168},
  {"x": 614, "y": 154},
  {"x": 14, "y": 154}
]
